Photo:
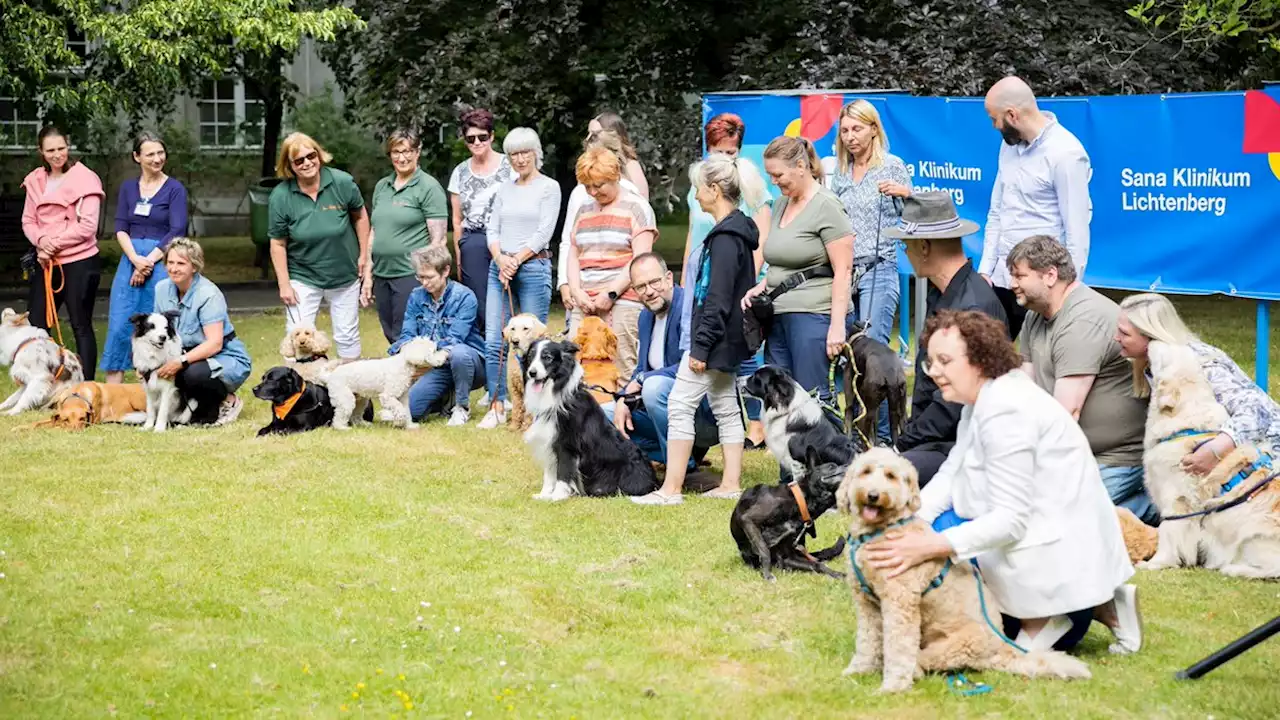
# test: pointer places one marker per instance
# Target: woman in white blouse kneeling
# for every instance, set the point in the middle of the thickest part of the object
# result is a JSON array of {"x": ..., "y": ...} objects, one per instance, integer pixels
[{"x": 1020, "y": 493}]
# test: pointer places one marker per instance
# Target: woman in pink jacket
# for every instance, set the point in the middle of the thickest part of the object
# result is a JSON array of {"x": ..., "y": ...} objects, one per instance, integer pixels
[{"x": 60, "y": 219}]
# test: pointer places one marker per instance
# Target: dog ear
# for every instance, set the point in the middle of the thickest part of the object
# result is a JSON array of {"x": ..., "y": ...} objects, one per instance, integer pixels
[
  {"x": 506, "y": 333},
  {"x": 22, "y": 319},
  {"x": 611, "y": 344},
  {"x": 571, "y": 348},
  {"x": 1168, "y": 395},
  {"x": 286, "y": 346},
  {"x": 539, "y": 328}
]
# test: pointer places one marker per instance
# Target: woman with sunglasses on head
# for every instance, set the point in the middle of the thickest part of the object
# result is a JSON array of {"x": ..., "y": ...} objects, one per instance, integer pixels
[
  {"x": 631, "y": 168},
  {"x": 409, "y": 211},
  {"x": 319, "y": 231},
  {"x": 150, "y": 212},
  {"x": 60, "y": 220},
  {"x": 472, "y": 187}
]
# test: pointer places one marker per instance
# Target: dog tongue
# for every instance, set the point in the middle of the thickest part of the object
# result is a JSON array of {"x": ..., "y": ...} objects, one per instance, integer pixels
[
  {"x": 536, "y": 385},
  {"x": 870, "y": 513}
]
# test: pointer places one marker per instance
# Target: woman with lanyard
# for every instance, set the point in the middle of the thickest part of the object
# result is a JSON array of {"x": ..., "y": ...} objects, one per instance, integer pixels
[
  {"x": 723, "y": 134},
  {"x": 150, "y": 212},
  {"x": 523, "y": 218},
  {"x": 319, "y": 231},
  {"x": 408, "y": 206},
  {"x": 472, "y": 187},
  {"x": 870, "y": 182}
]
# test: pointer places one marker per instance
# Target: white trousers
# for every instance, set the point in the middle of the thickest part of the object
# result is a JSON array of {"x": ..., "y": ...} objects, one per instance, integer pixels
[
  {"x": 344, "y": 309},
  {"x": 721, "y": 391}
]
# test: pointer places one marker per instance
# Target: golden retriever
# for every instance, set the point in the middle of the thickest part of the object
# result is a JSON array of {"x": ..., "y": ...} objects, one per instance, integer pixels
[
  {"x": 598, "y": 354},
  {"x": 518, "y": 335},
  {"x": 1242, "y": 541},
  {"x": 906, "y": 628}
]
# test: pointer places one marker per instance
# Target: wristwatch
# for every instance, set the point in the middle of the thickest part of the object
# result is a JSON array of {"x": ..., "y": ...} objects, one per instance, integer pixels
[
  {"x": 185, "y": 363},
  {"x": 613, "y": 295}
]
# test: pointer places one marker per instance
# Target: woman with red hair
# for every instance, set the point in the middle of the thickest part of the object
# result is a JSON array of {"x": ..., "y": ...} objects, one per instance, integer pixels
[{"x": 723, "y": 134}]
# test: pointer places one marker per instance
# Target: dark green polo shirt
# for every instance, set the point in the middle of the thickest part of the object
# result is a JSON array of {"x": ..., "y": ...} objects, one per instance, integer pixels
[
  {"x": 400, "y": 221},
  {"x": 322, "y": 247}
]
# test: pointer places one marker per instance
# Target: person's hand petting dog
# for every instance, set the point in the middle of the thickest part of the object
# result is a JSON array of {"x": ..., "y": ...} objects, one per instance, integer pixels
[
  {"x": 169, "y": 369},
  {"x": 900, "y": 551},
  {"x": 1205, "y": 458}
]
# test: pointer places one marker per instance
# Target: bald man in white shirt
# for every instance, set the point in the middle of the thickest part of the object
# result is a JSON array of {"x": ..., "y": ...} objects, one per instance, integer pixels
[{"x": 1041, "y": 188}]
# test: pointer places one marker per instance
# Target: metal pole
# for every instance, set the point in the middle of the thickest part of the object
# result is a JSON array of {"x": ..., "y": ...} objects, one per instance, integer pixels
[
  {"x": 922, "y": 291},
  {"x": 904, "y": 314},
  {"x": 1254, "y": 637},
  {"x": 1262, "y": 363}
]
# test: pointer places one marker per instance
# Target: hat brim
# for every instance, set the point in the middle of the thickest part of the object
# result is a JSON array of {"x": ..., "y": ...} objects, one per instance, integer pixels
[{"x": 967, "y": 227}]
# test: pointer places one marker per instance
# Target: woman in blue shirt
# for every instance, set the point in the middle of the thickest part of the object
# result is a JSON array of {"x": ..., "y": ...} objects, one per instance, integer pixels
[
  {"x": 444, "y": 311},
  {"x": 150, "y": 212},
  {"x": 214, "y": 362}
]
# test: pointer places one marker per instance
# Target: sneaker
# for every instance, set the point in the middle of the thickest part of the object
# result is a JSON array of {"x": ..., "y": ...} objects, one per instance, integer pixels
[
  {"x": 492, "y": 419},
  {"x": 1053, "y": 631},
  {"x": 229, "y": 411},
  {"x": 657, "y": 498},
  {"x": 1128, "y": 632},
  {"x": 485, "y": 400},
  {"x": 460, "y": 416}
]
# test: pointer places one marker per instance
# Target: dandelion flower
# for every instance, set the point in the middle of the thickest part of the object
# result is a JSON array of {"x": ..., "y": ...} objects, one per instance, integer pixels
[
  {"x": 400, "y": 677},
  {"x": 359, "y": 686},
  {"x": 408, "y": 706},
  {"x": 378, "y": 671},
  {"x": 355, "y": 696},
  {"x": 342, "y": 708}
]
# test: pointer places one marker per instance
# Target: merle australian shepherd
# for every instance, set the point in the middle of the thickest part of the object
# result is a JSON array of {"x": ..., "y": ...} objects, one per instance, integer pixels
[{"x": 581, "y": 452}]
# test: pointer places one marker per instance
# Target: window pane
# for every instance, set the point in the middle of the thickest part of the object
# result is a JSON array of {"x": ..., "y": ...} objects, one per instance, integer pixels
[
  {"x": 209, "y": 135},
  {"x": 250, "y": 93},
  {"x": 252, "y": 113},
  {"x": 27, "y": 110},
  {"x": 226, "y": 89},
  {"x": 226, "y": 112},
  {"x": 208, "y": 112},
  {"x": 7, "y": 137},
  {"x": 7, "y": 110},
  {"x": 253, "y": 135},
  {"x": 27, "y": 134},
  {"x": 206, "y": 90}
]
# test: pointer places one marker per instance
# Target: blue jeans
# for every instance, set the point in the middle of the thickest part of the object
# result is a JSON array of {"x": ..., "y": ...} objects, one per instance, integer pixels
[
  {"x": 878, "y": 292},
  {"x": 1080, "y": 619},
  {"x": 1125, "y": 486},
  {"x": 651, "y": 422},
  {"x": 464, "y": 374},
  {"x": 797, "y": 343},
  {"x": 531, "y": 290}
]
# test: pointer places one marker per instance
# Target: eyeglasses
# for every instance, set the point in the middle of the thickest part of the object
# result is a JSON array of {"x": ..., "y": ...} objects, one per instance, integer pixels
[
  {"x": 654, "y": 285},
  {"x": 402, "y": 153},
  {"x": 932, "y": 365},
  {"x": 477, "y": 139},
  {"x": 300, "y": 161}
]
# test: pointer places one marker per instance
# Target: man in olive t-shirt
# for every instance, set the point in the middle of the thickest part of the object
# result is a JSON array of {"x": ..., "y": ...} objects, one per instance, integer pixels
[{"x": 1068, "y": 347}]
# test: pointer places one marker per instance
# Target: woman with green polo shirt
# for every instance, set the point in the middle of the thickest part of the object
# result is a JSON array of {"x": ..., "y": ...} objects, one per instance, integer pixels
[
  {"x": 319, "y": 232},
  {"x": 408, "y": 205}
]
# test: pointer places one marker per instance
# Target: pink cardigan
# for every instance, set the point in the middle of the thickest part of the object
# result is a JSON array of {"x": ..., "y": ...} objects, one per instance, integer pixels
[{"x": 66, "y": 220}]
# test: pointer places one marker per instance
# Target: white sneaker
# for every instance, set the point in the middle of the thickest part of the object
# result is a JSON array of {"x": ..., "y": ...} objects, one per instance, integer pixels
[
  {"x": 229, "y": 411},
  {"x": 657, "y": 498},
  {"x": 1129, "y": 633},
  {"x": 485, "y": 400},
  {"x": 1052, "y": 632},
  {"x": 492, "y": 419},
  {"x": 460, "y": 416}
]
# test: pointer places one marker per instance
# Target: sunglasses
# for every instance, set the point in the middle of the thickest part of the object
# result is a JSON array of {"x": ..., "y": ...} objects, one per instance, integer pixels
[
  {"x": 300, "y": 161},
  {"x": 477, "y": 139}
]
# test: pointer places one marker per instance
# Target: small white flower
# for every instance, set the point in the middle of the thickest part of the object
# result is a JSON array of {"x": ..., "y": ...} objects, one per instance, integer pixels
[
  {"x": 688, "y": 585},
  {"x": 404, "y": 645},
  {"x": 419, "y": 618},
  {"x": 130, "y": 611},
  {"x": 353, "y": 640},
  {"x": 457, "y": 629},
  {"x": 468, "y": 713},
  {"x": 213, "y": 666},
  {"x": 502, "y": 663},
  {"x": 1, "y": 576},
  {"x": 393, "y": 589},
  {"x": 553, "y": 686}
]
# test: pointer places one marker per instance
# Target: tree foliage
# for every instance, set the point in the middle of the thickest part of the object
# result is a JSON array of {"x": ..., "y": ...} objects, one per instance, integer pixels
[
  {"x": 553, "y": 64},
  {"x": 1209, "y": 23}
]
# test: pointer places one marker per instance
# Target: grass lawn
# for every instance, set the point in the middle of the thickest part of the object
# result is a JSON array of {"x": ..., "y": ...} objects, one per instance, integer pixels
[{"x": 207, "y": 573}]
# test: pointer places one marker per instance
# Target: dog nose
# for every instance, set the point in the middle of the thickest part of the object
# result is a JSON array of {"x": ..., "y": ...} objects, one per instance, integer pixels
[{"x": 873, "y": 497}]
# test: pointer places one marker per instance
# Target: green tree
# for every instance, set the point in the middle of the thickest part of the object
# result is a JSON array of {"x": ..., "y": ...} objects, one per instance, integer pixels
[
  {"x": 1207, "y": 23},
  {"x": 146, "y": 53}
]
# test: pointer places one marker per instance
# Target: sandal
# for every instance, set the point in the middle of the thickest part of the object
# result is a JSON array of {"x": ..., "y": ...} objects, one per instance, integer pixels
[
  {"x": 718, "y": 494},
  {"x": 657, "y": 498}
]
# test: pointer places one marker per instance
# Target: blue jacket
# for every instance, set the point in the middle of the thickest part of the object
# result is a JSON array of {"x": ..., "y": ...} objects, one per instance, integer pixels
[
  {"x": 451, "y": 321},
  {"x": 671, "y": 351}
]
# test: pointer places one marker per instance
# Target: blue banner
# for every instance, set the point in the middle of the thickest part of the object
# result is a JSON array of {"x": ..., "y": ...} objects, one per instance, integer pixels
[{"x": 1185, "y": 188}]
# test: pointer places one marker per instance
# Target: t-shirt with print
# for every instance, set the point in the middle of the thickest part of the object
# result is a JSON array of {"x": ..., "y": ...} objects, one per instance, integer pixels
[
  {"x": 802, "y": 245},
  {"x": 399, "y": 221},
  {"x": 1080, "y": 340},
  {"x": 603, "y": 237},
  {"x": 476, "y": 192},
  {"x": 322, "y": 247}
]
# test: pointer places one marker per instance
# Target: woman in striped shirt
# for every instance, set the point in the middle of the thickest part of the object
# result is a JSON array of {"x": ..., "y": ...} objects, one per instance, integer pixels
[{"x": 615, "y": 226}]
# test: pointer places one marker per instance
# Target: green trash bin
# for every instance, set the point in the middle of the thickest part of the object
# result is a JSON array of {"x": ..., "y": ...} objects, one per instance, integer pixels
[{"x": 259, "y": 195}]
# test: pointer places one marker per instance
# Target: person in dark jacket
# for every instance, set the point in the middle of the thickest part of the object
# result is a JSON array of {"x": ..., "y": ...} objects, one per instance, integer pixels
[
  {"x": 932, "y": 231},
  {"x": 725, "y": 272}
]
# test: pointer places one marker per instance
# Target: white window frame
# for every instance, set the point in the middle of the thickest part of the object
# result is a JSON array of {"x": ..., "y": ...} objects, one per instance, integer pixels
[
  {"x": 14, "y": 120},
  {"x": 239, "y": 102}
]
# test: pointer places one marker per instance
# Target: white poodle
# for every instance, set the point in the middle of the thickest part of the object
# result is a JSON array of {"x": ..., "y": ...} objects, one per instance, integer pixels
[
  {"x": 1243, "y": 540},
  {"x": 353, "y": 385}
]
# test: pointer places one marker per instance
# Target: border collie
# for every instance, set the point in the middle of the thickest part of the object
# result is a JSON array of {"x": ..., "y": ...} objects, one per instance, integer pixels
[
  {"x": 581, "y": 452},
  {"x": 155, "y": 342},
  {"x": 793, "y": 420}
]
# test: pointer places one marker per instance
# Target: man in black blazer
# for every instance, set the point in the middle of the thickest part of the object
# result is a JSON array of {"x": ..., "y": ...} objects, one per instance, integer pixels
[{"x": 932, "y": 231}]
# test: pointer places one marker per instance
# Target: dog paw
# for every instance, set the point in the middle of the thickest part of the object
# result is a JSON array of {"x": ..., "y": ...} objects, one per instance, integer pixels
[
  {"x": 559, "y": 496},
  {"x": 1152, "y": 565},
  {"x": 769, "y": 577},
  {"x": 541, "y": 496},
  {"x": 895, "y": 685},
  {"x": 341, "y": 427},
  {"x": 861, "y": 666}
]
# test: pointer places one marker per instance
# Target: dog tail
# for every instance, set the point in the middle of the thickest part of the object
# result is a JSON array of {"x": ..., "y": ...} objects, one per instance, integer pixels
[
  {"x": 1045, "y": 663},
  {"x": 832, "y": 552}
]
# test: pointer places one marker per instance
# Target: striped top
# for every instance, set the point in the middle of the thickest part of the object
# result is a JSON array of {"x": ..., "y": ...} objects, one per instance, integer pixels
[{"x": 603, "y": 238}]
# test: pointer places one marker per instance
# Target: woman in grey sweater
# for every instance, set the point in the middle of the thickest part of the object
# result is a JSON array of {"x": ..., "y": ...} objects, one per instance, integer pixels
[{"x": 520, "y": 227}]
